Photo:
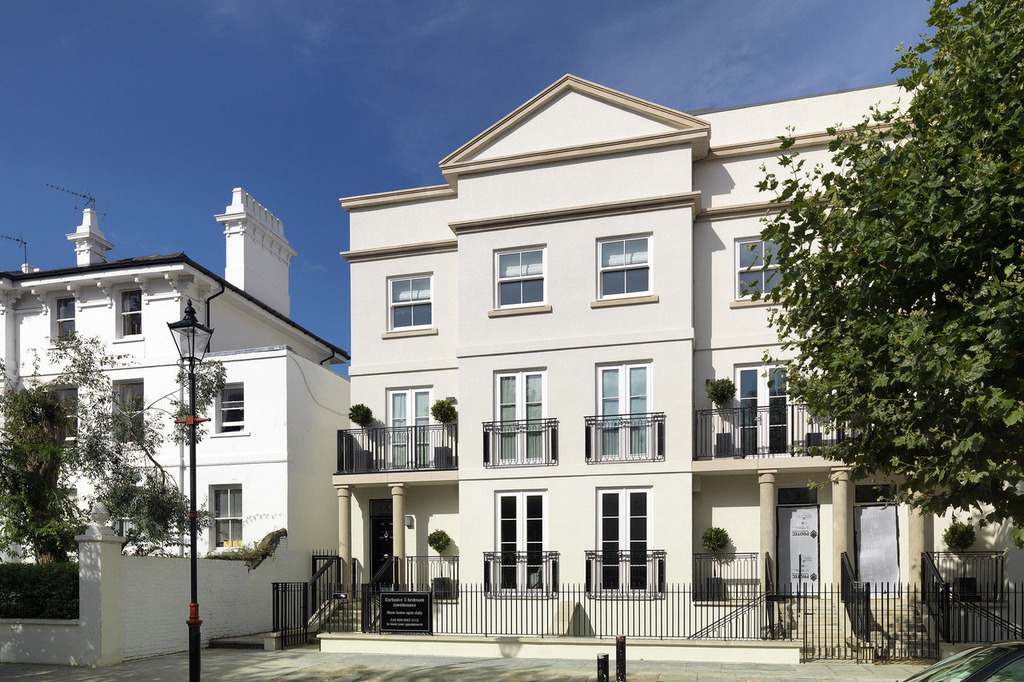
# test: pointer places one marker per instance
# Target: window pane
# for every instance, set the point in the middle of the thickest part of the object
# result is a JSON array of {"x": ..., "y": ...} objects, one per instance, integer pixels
[
  {"x": 638, "y": 530},
  {"x": 534, "y": 506},
  {"x": 220, "y": 503},
  {"x": 131, "y": 301},
  {"x": 610, "y": 504},
  {"x": 235, "y": 499},
  {"x": 421, "y": 314},
  {"x": 402, "y": 316},
  {"x": 508, "y": 265},
  {"x": 510, "y": 293},
  {"x": 750, "y": 254},
  {"x": 636, "y": 280},
  {"x": 533, "y": 291},
  {"x": 533, "y": 263},
  {"x": 771, "y": 252},
  {"x": 422, "y": 399},
  {"x": 638, "y": 504},
  {"x": 233, "y": 394},
  {"x": 776, "y": 382},
  {"x": 66, "y": 308},
  {"x": 638, "y": 381},
  {"x": 533, "y": 388},
  {"x": 610, "y": 383},
  {"x": 508, "y": 507},
  {"x": 398, "y": 406},
  {"x": 421, "y": 289},
  {"x": 750, "y": 282},
  {"x": 636, "y": 251},
  {"x": 612, "y": 254},
  {"x": 748, "y": 383},
  {"x": 772, "y": 277},
  {"x": 613, "y": 283},
  {"x": 638, "y": 405},
  {"x": 401, "y": 291},
  {"x": 508, "y": 390}
]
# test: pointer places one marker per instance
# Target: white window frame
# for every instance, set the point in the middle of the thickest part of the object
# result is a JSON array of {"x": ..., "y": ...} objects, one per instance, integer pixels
[
  {"x": 224, "y": 407},
  {"x": 625, "y": 539},
  {"x": 233, "y": 515},
  {"x": 523, "y": 580},
  {"x": 625, "y": 267},
  {"x": 520, "y": 278},
  {"x": 621, "y": 439},
  {"x": 743, "y": 246},
  {"x": 761, "y": 426},
  {"x": 66, "y": 393},
  {"x": 121, "y": 394},
  {"x": 124, "y": 315},
  {"x": 393, "y": 305},
  {"x": 403, "y": 452},
  {"x": 522, "y": 444},
  {"x": 59, "y": 321}
]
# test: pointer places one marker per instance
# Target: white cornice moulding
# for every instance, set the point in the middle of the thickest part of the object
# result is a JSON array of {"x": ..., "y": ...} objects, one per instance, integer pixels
[
  {"x": 400, "y": 196},
  {"x": 401, "y": 251}
]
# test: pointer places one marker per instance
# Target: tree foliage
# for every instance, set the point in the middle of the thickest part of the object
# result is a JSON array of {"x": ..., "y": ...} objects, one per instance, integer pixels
[
  {"x": 902, "y": 265},
  {"x": 76, "y": 425}
]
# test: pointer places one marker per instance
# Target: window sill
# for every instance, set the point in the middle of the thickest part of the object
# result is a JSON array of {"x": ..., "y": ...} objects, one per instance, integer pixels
[
  {"x": 408, "y": 333},
  {"x": 129, "y": 339},
  {"x": 747, "y": 303},
  {"x": 525, "y": 310},
  {"x": 230, "y": 434},
  {"x": 626, "y": 300}
]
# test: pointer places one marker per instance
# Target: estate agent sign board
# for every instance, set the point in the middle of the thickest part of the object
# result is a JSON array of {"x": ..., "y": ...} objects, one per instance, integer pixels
[{"x": 406, "y": 612}]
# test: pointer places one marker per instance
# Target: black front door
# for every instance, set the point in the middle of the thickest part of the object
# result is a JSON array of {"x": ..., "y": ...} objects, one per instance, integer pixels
[{"x": 381, "y": 534}]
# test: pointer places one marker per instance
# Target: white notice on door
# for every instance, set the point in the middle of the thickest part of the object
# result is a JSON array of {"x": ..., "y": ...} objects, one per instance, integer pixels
[{"x": 798, "y": 549}]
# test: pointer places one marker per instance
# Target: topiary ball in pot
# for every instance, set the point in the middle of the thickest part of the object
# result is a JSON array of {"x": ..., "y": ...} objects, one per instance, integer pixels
[
  {"x": 715, "y": 539},
  {"x": 959, "y": 536},
  {"x": 360, "y": 414},
  {"x": 439, "y": 541},
  {"x": 720, "y": 392},
  {"x": 444, "y": 412}
]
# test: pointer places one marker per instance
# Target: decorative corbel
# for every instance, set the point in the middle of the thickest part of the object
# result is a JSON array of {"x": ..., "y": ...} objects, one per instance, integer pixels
[
  {"x": 76, "y": 291},
  {"x": 144, "y": 288},
  {"x": 105, "y": 288},
  {"x": 41, "y": 296}
]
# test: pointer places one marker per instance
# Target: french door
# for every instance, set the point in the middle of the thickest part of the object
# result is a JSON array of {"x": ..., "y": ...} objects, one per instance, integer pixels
[
  {"x": 520, "y": 540},
  {"x": 624, "y": 529},
  {"x": 520, "y": 408},
  {"x": 624, "y": 401},
  {"x": 764, "y": 413},
  {"x": 407, "y": 409}
]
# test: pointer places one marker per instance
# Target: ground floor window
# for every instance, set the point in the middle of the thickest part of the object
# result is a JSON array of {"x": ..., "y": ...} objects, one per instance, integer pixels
[{"x": 227, "y": 516}]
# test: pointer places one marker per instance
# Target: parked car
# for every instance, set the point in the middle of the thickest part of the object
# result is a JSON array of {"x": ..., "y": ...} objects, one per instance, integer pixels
[{"x": 995, "y": 663}]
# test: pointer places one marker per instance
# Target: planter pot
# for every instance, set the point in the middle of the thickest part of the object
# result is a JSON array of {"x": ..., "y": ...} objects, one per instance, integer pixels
[
  {"x": 713, "y": 589},
  {"x": 814, "y": 440},
  {"x": 723, "y": 445},
  {"x": 442, "y": 457},
  {"x": 443, "y": 588}
]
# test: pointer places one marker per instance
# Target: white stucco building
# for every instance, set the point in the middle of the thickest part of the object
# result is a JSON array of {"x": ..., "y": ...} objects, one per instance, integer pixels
[
  {"x": 266, "y": 461},
  {"x": 580, "y": 276}
]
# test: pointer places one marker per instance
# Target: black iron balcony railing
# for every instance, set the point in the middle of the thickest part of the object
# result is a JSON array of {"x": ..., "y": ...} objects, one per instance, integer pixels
[
  {"x": 718, "y": 576},
  {"x": 625, "y": 438},
  {"x": 405, "y": 448},
  {"x": 767, "y": 431},
  {"x": 436, "y": 574},
  {"x": 625, "y": 571},
  {"x": 523, "y": 442},
  {"x": 523, "y": 572}
]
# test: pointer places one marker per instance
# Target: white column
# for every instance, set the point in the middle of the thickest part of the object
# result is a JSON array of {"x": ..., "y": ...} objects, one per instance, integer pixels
[
  {"x": 842, "y": 525},
  {"x": 766, "y": 485},
  {"x": 345, "y": 531},
  {"x": 398, "y": 526},
  {"x": 99, "y": 592},
  {"x": 915, "y": 544}
]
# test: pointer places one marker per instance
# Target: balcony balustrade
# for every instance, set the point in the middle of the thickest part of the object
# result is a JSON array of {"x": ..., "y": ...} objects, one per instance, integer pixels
[
  {"x": 521, "y": 572},
  {"x": 613, "y": 571},
  {"x": 523, "y": 442},
  {"x": 406, "y": 448},
  {"x": 625, "y": 438},
  {"x": 767, "y": 431}
]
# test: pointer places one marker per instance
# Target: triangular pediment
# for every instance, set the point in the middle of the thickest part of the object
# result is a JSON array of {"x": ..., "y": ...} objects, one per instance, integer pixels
[{"x": 574, "y": 115}]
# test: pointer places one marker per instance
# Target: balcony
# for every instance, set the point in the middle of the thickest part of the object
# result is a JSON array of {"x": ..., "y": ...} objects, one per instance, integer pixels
[
  {"x": 521, "y": 572},
  {"x": 625, "y": 571},
  {"x": 768, "y": 431},
  {"x": 405, "y": 448},
  {"x": 625, "y": 438},
  {"x": 523, "y": 442}
]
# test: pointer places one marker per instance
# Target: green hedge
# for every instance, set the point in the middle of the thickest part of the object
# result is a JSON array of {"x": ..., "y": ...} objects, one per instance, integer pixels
[{"x": 39, "y": 590}]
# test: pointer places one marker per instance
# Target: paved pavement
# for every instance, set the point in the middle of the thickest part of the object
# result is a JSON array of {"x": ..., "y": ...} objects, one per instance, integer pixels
[{"x": 309, "y": 664}]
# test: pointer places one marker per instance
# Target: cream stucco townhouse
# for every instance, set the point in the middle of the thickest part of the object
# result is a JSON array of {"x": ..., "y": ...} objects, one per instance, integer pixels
[
  {"x": 575, "y": 282},
  {"x": 270, "y": 446}
]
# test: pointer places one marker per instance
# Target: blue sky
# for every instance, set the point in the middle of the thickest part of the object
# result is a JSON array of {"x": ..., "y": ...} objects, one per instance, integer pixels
[{"x": 161, "y": 108}]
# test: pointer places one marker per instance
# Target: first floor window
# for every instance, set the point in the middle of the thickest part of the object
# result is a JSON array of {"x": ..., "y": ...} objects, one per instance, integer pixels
[
  {"x": 520, "y": 277},
  {"x": 227, "y": 516},
  {"x": 624, "y": 402},
  {"x": 757, "y": 268},
  {"x": 131, "y": 312},
  {"x": 68, "y": 396},
  {"x": 764, "y": 418},
  {"x": 408, "y": 435},
  {"x": 521, "y": 561},
  {"x": 410, "y": 302},
  {"x": 232, "y": 408},
  {"x": 624, "y": 267},
  {"x": 130, "y": 404},
  {"x": 520, "y": 398},
  {"x": 65, "y": 316}
]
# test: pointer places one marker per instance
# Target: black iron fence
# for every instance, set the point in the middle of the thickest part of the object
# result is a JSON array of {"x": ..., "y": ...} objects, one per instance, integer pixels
[
  {"x": 521, "y": 442},
  {"x": 625, "y": 438},
  {"x": 438, "y": 575},
  {"x": 766, "y": 431},
  {"x": 290, "y": 613},
  {"x": 720, "y": 576},
  {"x": 972, "y": 609},
  {"x": 405, "y": 448},
  {"x": 522, "y": 573},
  {"x": 625, "y": 572},
  {"x": 972, "y": 575}
]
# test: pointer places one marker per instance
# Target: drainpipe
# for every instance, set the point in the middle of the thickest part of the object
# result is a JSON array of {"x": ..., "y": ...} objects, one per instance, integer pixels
[{"x": 222, "y": 288}]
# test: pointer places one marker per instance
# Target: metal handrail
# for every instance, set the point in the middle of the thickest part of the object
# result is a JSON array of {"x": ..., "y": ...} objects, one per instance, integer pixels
[
  {"x": 636, "y": 437},
  {"x": 427, "y": 447},
  {"x": 763, "y": 431},
  {"x": 521, "y": 442}
]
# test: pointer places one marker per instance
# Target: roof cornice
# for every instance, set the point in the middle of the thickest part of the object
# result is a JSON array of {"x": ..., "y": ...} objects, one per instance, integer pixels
[
  {"x": 402, "y": 251},
  {"x": 662, "y": 203},
  {"x": 400, "y": 196}
]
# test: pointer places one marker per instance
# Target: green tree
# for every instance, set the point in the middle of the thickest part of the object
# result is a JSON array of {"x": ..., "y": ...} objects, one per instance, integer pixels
[
  {"x": 902, "y": 266},
  {"x": 75, "y": 425}
]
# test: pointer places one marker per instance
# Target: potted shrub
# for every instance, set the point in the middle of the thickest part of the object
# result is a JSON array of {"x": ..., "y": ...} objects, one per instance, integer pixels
[
  {"x": 721, "y": 392},
  {"x": 443, "y": 587},
  {"x": 715, "y": 540},
  {"x": 958, "y": 538},
  {"x": 445, "y": 413},
  {"x": 361, "y": 415}
]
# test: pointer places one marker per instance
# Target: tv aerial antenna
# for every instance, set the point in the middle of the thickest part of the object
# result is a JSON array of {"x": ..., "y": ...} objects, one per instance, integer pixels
[
  {"x": 20, "y": 240},
  {"x": 90, "y": 200}
]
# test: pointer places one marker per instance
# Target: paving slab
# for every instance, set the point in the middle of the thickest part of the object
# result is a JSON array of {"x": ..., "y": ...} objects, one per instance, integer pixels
[{"x": 308, "y": 663}]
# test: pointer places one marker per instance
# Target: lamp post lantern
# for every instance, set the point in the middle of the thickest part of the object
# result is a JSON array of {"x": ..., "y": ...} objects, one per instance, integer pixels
[{"x": 192, "y": 340}]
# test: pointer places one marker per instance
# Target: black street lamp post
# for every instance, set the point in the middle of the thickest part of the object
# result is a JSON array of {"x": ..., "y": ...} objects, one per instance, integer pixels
[{"x": 192, "y": 340}]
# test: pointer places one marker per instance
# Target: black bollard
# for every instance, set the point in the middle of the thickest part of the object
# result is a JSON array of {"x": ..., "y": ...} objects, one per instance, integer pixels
[
  {"x": 620, "y": 659},
  {"x": 602, "y": 668}
]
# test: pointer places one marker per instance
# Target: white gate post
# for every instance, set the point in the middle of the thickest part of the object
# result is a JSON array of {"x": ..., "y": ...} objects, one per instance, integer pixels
[{"x": 99, "y": 591}]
